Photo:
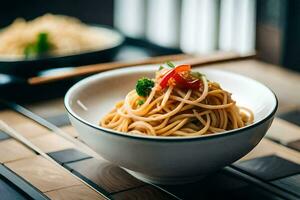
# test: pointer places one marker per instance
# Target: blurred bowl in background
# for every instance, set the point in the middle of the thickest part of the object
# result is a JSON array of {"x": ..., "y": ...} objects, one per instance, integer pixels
[{"x": 31, "y": 66}]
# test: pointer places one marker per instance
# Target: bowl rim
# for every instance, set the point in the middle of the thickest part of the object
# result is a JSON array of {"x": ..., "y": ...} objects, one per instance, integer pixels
[{"x": 162, "y": 138}]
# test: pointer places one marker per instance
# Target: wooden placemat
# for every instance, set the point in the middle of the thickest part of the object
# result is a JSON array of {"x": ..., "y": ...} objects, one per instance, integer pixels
[
  {"x": 269, "y": 163},
  {"x": 270, "y": 171}
]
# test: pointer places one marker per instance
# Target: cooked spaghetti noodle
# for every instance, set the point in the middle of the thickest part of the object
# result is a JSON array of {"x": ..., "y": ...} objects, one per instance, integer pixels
[{"x": 191, "y": 108}]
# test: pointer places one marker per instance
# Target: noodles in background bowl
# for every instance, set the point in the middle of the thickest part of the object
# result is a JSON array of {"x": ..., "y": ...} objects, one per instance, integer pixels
[
  {"x": 65, "y": 35},
  {"x": 178, "y": 102}
]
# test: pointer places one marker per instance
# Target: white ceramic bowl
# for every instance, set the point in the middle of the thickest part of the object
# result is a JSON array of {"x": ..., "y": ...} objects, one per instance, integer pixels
[{"x": 166, "y": 160}]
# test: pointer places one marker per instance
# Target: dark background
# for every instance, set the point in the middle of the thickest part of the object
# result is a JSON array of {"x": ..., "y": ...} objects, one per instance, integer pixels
[
  {"x": 89, "y": 11},
  {"x": 278, "y": 32},
  {"x": 277, "y": 25}
]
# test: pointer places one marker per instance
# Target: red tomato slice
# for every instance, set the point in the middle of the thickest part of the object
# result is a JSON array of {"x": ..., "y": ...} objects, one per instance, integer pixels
[
  {"x": 186, "y": 84},
  {"x": 165, "y": 79},
  {"x": 182, "y": 68},
  {"x": 174, "y": 73}
]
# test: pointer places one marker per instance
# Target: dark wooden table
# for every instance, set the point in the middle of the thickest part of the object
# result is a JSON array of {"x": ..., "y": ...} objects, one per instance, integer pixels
[{"x": 270, "y": 171}]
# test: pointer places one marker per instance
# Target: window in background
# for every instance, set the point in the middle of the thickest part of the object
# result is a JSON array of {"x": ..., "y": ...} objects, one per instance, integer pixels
[
  {"x": 196, "y": 26},
  {"x": 278, "y": 30}
]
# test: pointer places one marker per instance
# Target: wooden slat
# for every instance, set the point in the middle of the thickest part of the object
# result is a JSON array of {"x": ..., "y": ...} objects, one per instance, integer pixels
[
  {"x": 18, "y": 184},
  {"x": 11, "y": 150},
  {"x": 43, "y": 174},
  {"x": 70, "y": 130},
  {"x": 22, "y": 124},
  {"x": 104, "y": 174},
  {"x": 31, "y": 129},
  {"x": 42, "y": 107},
  {"x": 11, "y": 117},
  {"x": 51, "y": 142},
  {"x": 78, "y": 192},
  {"x": 49, "y": 126},
  {"x": 42, "y": 155},
  {"x": 267, "y": 147},
  {"x": 283, "y": 131},
  {"x": 68, "y": 155},
  {"x": 59, "y": 120},
  {"x": 283, "y": 82}
]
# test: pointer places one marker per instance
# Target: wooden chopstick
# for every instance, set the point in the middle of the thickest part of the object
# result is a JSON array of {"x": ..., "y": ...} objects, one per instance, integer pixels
[
  {"x": 186, "y": 58},
  {"x": 92, "y": 69}
]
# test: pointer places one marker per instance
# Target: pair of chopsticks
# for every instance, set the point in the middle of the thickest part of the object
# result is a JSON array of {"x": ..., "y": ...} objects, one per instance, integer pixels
[{"x": 194, "y": 61}]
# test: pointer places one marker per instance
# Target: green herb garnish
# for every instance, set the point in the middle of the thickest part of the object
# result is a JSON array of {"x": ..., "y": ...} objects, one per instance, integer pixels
[
  {"x": 144, "y": 86},
  {"x": 160, "y": 68},
  {"x": 170, "y": 64},
  {"x": 140, "y": 102},
  {"x": 197, "y": 75},
  {"x": 39, "y": 47}
]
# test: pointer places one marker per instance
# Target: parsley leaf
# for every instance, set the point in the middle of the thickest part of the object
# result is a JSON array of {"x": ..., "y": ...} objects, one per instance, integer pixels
[
  {"x": 197, "y": 75},
  {"x": 170, "y": 64},
  {"x": 39, "y": 47},
  {"x": 160, "y": 68}
]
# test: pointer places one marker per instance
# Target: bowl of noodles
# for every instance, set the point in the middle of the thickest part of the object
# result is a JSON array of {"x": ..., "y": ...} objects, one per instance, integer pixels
[
  {"x": 51, "y": 41},
  {"x": 171, "y": 124}
]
